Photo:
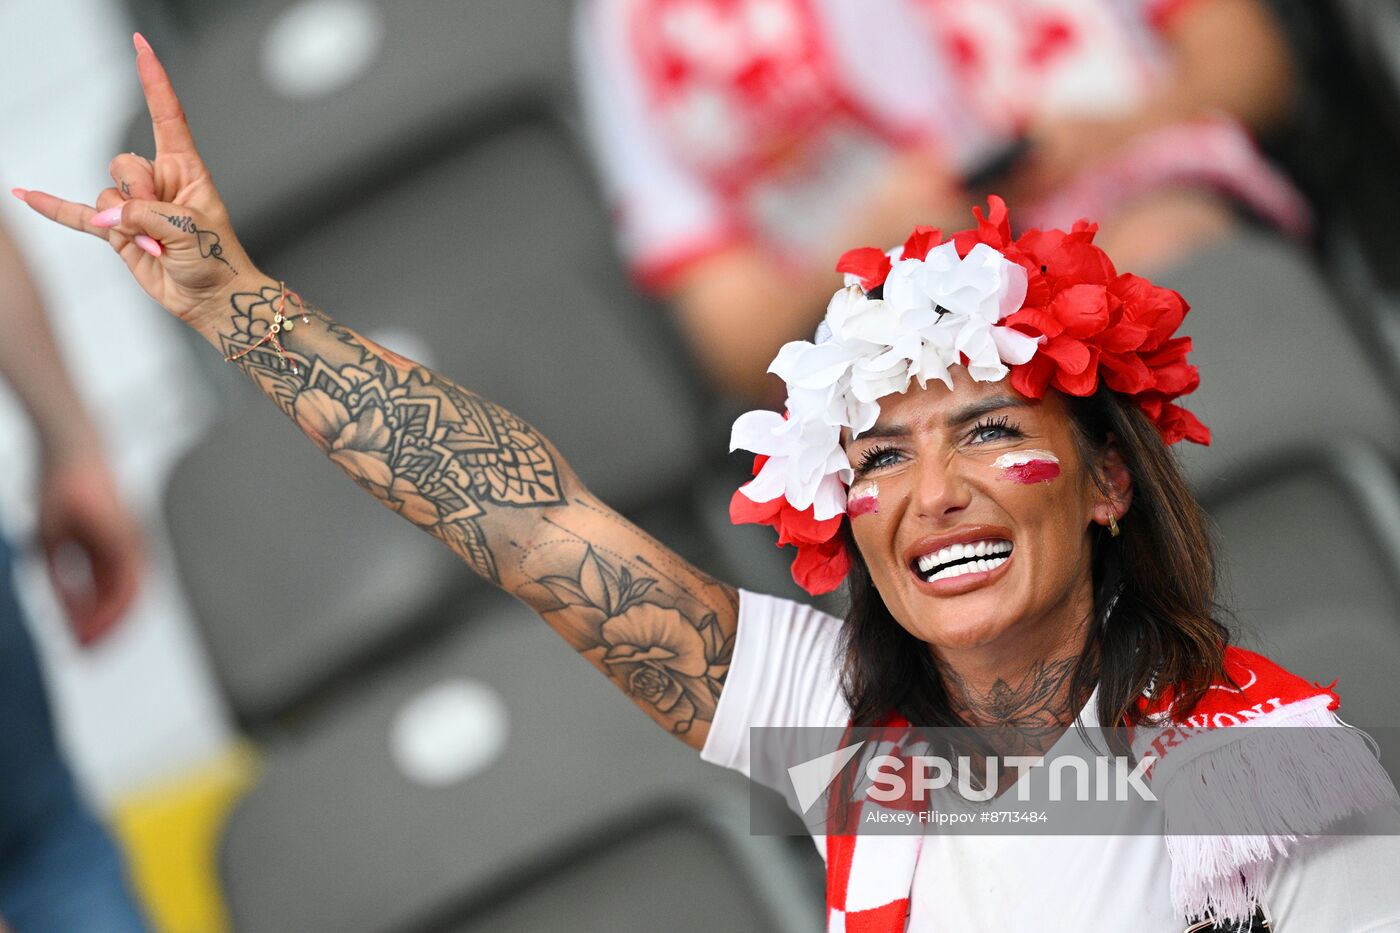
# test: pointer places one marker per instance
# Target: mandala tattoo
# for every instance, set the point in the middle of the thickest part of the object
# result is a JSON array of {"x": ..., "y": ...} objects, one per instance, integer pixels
[{"x": 428, "y": 449}]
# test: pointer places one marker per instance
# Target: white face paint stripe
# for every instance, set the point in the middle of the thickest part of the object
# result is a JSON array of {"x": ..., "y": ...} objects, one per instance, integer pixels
[{"x": 1022, "y": 457}]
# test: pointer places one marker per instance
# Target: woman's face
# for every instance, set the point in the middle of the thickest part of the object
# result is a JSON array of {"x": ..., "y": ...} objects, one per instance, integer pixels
[{"x": 973, "y": 510}]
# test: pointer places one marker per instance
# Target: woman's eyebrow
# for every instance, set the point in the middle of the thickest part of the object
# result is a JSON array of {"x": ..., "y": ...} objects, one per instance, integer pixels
[
  {"x": 880, "y": 429},
  {"x": 956, "y": 419},
  {"x": 983, "y": 407}
]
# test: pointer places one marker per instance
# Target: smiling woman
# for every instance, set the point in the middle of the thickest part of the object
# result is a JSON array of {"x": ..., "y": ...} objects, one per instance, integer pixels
[
  {"x": 1047, "y": 591},
  {"x": 1036, "y": 560},
  {"x": 978, "y": 440}
]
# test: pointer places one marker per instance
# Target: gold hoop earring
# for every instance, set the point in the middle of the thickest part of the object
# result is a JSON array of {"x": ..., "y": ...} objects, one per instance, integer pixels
[{"x": 1113, "y": 528}]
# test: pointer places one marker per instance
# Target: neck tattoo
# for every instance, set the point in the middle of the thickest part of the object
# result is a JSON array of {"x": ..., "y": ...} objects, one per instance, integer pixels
[{"x": 1026, "y": 715}]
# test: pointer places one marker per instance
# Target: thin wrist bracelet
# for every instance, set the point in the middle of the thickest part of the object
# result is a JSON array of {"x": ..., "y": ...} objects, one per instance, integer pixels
[{"x": 281, "y": 322}]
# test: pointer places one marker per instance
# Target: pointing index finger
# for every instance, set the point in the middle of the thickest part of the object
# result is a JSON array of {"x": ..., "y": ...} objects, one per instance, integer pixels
[{"x": 172, "y": 132}]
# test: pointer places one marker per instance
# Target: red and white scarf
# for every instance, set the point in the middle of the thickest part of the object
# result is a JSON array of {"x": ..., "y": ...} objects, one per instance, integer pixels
[{"x": 868, "y": 877}]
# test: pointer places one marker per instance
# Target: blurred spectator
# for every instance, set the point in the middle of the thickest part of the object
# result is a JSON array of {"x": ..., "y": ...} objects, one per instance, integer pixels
[
  {"x": 745, "y": 143},
  {"x": 59, "y": 872}
]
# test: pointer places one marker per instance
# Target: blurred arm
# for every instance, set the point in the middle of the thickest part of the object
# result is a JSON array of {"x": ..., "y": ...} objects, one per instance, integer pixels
[
  {"x": 31, "y": 364},
  {"x": 1228, "y": 55},
  {"x": 78, "y": 501},
  {"x": 738, "y": 307}
]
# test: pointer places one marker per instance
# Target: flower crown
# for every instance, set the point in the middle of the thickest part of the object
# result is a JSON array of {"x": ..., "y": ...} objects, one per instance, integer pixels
[{"x": 1048, "y": 309}]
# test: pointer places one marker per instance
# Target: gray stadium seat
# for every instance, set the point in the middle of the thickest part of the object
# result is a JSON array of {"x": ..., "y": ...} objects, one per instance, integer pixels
[
  {"x": 502, "y": 266},
  {"x": 335, "y": 838},
  {"x": 1280, "y": 365},
  {"x": 1311, "y": 559},
  {"x": 442, "y": 196},
  {"x": 444, "y": 70},
  {"x": 1342, "y": 145},
  {"x": 1373, "y": 26},
  {"x": 619, "y": 888}
]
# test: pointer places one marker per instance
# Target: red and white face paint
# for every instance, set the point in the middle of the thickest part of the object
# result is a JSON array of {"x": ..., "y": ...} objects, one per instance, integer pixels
[
  {"x": 1028, "y": 467},
  {"x": 864, "y": 499}
]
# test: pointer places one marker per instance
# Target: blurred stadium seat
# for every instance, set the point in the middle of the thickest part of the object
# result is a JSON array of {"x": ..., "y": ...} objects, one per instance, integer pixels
[
  {"x": 338, "y": 837},
  {"x": 1280, "y": 362},
  {"x": 1342, "y": 147},
  {"x": 1311, "y": 562},
  {"x": 1373, "y": 28},
  {"x": 293, "y": 576}
]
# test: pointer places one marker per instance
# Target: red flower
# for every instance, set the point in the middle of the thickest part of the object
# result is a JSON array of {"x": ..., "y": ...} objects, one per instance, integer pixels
[
  {"x": 1069, "y": 257},
  {"x": 1173, "y": 422},
  {"x": 1161, "y": 308},
  {"x": 822, "y": 562},
  {"x": 920, "y": 242},
  {"x": 1099, "y": 324},
  {"x": 993, "y": 228},
  {"x": 869, "y": 264},
  {"x": 820, "y": 568}
]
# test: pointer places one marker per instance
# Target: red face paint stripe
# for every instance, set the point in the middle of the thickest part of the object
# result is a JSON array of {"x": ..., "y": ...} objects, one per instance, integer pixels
[
  {"x": 863, "y": 505},
  {"x": 1032, "y": 471}
]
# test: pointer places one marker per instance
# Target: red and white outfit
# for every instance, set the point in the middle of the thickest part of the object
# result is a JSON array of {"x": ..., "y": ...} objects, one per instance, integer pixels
[
  {"x": 722, "y": 121},
  {"x": 785, "y": 673}
]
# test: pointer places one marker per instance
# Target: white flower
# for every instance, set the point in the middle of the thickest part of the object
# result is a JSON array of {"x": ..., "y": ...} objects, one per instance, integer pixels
[
  {"x": 844, "y": 305},
  {"x": 805, "y": 461},
  {"x": 984, "y": 285},
  {"x": 934, "y": 312}
]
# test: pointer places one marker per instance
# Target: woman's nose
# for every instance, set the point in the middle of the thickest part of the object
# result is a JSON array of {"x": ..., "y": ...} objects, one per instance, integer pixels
[{"x": 940, "y": 488}]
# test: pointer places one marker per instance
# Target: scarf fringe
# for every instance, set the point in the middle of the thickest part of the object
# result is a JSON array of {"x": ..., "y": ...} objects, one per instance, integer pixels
[{"x": 1306, "y": 784}]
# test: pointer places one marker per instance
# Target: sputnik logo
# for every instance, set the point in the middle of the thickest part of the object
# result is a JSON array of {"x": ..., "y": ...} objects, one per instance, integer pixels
[{"x": 811, "y": 778}]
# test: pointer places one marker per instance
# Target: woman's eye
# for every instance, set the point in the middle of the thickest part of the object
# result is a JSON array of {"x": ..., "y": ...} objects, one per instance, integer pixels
[
  {"x": 876, "y": 458},
  {"x": 989, "y": 431}
]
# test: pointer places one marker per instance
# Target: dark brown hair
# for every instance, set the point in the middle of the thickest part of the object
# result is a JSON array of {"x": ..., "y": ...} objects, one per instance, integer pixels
[{"x": 1157, "y": 578}]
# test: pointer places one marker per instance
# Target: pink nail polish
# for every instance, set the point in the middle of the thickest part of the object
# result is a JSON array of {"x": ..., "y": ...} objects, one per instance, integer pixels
[
  {"x": 140, "y": 42},
  {"x": 148, "y": 244},
  {"x": 108, "y": 218},
  {"x": 19, "y": 193}
]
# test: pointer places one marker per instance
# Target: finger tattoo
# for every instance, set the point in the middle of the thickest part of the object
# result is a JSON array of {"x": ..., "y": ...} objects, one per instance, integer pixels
[{"x": 210, "y": 246}]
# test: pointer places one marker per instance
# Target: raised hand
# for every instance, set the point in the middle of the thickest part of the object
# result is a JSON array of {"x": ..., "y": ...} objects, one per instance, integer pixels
[
  {"x": 164, "y": 218},
  {"x": 463, "y": 469}
]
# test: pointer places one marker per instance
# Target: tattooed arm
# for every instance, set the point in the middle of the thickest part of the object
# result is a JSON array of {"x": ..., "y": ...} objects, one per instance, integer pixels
[
  {"x": 491, "y": 488},
  {"x": 461, "y": 468}
]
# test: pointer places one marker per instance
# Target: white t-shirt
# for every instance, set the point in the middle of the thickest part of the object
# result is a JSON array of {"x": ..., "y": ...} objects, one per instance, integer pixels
[{"x": 785, "y": 672}]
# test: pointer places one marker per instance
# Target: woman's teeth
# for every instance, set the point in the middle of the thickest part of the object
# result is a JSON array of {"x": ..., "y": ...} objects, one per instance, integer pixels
[
  {"x": 958, "y": 559},
  {"x": 975, "y": 566}
]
